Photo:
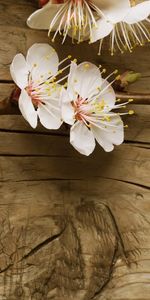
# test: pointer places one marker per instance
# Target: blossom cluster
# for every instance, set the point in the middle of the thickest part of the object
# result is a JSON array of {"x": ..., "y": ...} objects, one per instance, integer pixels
[
  {"x": 54, "y": 92},
  {"x": 81, "y": 98},
  {"x": 123, "y": 20}
]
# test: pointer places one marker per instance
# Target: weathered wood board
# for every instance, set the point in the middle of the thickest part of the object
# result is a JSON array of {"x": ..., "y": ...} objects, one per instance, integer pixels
[{"x": 71, "y": 227}]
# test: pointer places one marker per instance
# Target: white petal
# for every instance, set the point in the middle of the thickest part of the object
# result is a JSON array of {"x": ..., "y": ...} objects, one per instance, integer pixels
[
  {"x": 73, "y": 68},
  {"x": 109, "y": 4},
  {"x": 50, "y": 111},
  {"x": 82, "y": 139},
  {"x": 107, "y": 95},
  {"x": 86, "y": 80},
  {"x": 115, "y": 13},
  {"x": 67, "y": 110},
  {"x": 42, "y": 18},
  {"x": 27, "y": 109},
  {"x": 43, "y": 61},
  {"x": 112, "y": 135},
  {"x": 19, "y": 71},
  {"x": 138, "y": 13},
  {"x": 50, "y": 117},
  {"x": 71, "y": 79},
  {"x": 103, "y": 29}
]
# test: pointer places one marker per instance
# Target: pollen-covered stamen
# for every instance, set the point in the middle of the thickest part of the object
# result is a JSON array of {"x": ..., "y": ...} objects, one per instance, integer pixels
[
  {"x": 97, "y": 111},
  {"x": 35, "y": 94},
  {"x": 77, "y": 16},
  {"x": 40, "y": 90},
  {"x": 80, "y": 109},
  {"x": 53, "y": 78},
  {"x": 126, "y": 36}
]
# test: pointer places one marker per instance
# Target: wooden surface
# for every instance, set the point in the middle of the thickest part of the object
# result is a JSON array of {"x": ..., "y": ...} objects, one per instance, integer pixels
[{"x": 71, "y": 227}]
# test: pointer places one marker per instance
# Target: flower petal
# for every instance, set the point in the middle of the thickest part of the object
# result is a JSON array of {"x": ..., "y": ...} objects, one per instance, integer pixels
[
  {"x": 42, "y": 18},
  {"x": 138, "y": 13},
  {"x": 102, "y": 29},
  {"x": 109, "y": 4},
  {"x": 86, "y": 80},
  {"x": 43, "y": 61},
  {"x": 112, "y": 135},
  {"x": 82, "y": 139},
  {"x": 107, "y": 95},
  {"x": 50, "y": 115},
  {"x": 19, "y": 71},
  {"x": 71, "y": 79},
  {"x": 117, "y": 11},
  {"x": 27, "y": 109},
  {"x": 67, "y": 110}
]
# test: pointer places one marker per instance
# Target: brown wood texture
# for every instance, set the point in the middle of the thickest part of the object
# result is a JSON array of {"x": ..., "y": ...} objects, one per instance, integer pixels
[{"x": 71, "y": 227}]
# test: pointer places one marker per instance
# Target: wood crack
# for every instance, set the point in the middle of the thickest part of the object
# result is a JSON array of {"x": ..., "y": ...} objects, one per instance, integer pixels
[
  {"x": 132, "y": 183},
  {"x": 128, "y": 182},
  {"x": 6, "y": 269},
  {"x": 43, "y": 244},
  {"x": 50, "y": 133},
  {"x": 97, "y": 293},
  {"x": 127, "y": 142}
]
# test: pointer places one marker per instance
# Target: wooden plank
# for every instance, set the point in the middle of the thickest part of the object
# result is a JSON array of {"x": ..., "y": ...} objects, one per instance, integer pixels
[
  {"x": 139, "y": 124},
  {"x": 72, "y": 227},
  {"x": 71, "y": 241},
  {"x": 126, "y": 163},
  {"x": 138, "y": 130}
]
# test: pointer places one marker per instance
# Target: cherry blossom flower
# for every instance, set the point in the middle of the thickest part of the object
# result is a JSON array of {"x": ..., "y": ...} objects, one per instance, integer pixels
[
  {"x": 75, "y": 17},
  {"x": 125, "y": 25},
  {"x": 40, "y": 90},
  {"x": 87, "y": 105}
]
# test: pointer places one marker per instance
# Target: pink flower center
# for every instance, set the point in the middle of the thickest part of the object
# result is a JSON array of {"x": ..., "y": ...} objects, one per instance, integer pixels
[
  {"x": 33, "y": 93},
  {"x": 81, "y": 108}
]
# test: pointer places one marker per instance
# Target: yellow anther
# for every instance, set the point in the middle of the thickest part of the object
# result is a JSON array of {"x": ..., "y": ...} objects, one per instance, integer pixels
[
  {"x": 131, "y": 112},
  {"x": 116, "y": 71},
  {"x": 130, "y": 100},
  {"x": 118, "y": 77},
  {"x": 107, "y": 118},
  {"x": 47, "y": 57},
  {"x": 86, "y": 66}
]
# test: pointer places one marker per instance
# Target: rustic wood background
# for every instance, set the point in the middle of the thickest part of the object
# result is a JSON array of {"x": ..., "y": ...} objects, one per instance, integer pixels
[{"x": 72, "y": 227}]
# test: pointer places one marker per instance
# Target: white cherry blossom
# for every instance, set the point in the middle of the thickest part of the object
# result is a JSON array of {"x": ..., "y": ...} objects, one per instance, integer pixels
[
  {"x": 40, "y": 90},
  {"x": 87, "y": 106},
  {"x": 75, "y": 18},
  {"x": 126, "y": 26}
]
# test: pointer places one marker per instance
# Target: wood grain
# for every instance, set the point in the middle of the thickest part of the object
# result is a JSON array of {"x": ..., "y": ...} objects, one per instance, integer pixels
[{"x": 71, "y": 227}]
